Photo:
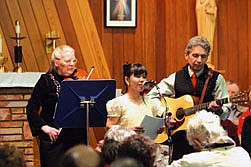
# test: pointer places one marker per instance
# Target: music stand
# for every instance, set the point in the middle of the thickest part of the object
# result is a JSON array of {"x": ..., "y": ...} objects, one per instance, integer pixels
[{"x": 77, "y": 96}]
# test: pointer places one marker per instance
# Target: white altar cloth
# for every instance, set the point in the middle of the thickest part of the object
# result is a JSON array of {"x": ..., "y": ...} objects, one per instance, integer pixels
[{"x": 14, "y": 79}]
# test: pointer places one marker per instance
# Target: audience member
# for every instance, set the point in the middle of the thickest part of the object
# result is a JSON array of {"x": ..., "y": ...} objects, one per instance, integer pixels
[
  {"x": 231, "y": 123},
  {"x": 233, "y": 90},
  {"x": 11, "y": 156},
  {"x": 246, "y": 135},
  {"x": 112, "y": 138},
  {"x": 244, "y": 115},
  {"x": 126, "y": 162},
  {"x": 80, "y": 156},
  {"x": 214, "y": 147},
  {"x": 139, "y": 147}
]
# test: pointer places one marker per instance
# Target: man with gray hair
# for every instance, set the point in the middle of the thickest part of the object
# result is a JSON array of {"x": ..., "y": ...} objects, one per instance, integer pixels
[{"x": 191, "y": 80}]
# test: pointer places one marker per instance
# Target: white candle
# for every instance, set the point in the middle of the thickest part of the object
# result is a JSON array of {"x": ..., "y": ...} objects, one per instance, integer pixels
[
  {"x": 17, "y": 27},
  {"x": 1, "y": 48}
]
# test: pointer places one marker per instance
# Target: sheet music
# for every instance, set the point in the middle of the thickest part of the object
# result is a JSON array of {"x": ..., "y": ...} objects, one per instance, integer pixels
[{"x": 151, "y": 125}]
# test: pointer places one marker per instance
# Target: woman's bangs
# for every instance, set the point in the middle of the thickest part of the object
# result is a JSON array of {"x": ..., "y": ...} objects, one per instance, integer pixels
[{"x": 139, "y": 70}]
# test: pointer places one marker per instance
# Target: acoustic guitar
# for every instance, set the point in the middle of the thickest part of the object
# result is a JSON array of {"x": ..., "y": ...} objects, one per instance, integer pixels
[{"x": 183, "y": 109}]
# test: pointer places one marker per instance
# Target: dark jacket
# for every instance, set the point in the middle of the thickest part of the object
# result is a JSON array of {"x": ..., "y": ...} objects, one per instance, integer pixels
[{"x": 41, "y": 107}]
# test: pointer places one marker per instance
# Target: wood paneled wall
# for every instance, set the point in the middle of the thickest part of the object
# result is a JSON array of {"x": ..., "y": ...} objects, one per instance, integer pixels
[
  {"x": 158, "y": 41},
  {"x": 163, "y": 29},
  {"x": 234, "y": 40},
  {"x": 72, "y": 19}
]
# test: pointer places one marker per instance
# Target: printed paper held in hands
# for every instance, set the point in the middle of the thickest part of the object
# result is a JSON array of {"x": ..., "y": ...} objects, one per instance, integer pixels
[{"x": 151, "y": 125}]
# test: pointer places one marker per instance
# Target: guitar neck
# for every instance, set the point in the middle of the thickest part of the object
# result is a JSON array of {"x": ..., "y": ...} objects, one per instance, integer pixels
[{"x": 198, "y": 107}]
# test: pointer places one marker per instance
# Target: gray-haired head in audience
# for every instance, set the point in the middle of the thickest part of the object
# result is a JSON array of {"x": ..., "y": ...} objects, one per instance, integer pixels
[{"x": 112, "y": 138}]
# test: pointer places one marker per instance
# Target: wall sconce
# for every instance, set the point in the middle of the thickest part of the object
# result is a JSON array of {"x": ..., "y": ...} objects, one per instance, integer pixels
[
  {"x": 3, "y": 60},
  {"x": 50, "y": 41}
]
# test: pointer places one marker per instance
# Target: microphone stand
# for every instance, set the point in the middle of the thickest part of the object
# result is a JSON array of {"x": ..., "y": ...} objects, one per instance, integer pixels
[{"x": 167, "y": 125}]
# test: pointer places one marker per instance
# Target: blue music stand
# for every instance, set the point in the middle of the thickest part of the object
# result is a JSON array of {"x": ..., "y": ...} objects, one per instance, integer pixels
[{"x": 82, "y": 103}]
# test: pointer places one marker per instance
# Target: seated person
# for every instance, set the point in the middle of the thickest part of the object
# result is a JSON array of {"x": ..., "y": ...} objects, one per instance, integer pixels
[
  {"x": 109, "y": 146},
  {"x": 11, "y": 156},
  {"x": 231, "y": 123},
  {"x": 214, "y": 147},
  {"x": 126, "y": 162},
  {"x": 139, "y": 147},
  {"x": 80, "y": 155},
  {"x": 246, "y": 135},
  {"x": 244, "y": 114}
]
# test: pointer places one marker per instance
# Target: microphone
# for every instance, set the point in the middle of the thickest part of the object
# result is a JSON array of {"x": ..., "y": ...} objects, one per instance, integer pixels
[{"x": 149, "y": 84}]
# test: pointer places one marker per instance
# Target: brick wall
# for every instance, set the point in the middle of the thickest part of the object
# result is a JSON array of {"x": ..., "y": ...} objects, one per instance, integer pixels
[{"x": 14, "y": 128}]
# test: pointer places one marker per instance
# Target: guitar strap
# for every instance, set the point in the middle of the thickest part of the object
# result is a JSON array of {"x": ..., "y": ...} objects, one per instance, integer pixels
[{"x": 209, "y": 75}]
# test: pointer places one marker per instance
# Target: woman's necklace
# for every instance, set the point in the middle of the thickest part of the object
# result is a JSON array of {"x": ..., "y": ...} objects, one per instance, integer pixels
[{"x": 56, "y": 83}]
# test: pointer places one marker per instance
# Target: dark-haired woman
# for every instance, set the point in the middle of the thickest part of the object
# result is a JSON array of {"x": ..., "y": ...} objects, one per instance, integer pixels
[{"x": 131, "y": 108}]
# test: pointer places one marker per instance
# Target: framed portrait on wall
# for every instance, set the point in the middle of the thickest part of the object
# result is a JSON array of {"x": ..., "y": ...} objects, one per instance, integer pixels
[{"x": 120, "y": 13}]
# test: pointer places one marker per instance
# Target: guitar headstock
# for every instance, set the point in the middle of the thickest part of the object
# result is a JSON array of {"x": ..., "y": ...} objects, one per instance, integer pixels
[{"x": 242, "y": 97}]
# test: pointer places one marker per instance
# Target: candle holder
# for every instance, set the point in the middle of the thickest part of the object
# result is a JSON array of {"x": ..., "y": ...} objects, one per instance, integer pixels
[
  {"x": 18, "y": 68},
  {"x": 50, "y": 41},
  {"x": 3, "y": 60},
  {"x": 18, "y": 48}
]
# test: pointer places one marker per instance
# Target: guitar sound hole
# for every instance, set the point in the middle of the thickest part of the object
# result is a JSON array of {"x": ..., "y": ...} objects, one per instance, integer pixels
[{"x": 180, "y": 114}]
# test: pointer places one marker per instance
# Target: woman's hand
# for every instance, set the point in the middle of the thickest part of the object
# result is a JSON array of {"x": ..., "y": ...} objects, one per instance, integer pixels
[
  {"x": 160, "y": 130},
  {"x": 52, "y": 132},
  {"x": 138, "y": 129},
  {"x": 99, "y": 146}
]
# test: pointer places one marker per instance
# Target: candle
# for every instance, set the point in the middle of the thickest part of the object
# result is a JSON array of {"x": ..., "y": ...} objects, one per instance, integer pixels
[
  {"x": 53, "y": 34},
  {"x": 1, "y": 49},
  {"x": 17, "y": 27}
]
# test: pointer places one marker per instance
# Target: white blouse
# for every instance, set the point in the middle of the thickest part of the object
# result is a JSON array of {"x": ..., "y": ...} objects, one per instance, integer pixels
[{"x": 132, "y": 114}]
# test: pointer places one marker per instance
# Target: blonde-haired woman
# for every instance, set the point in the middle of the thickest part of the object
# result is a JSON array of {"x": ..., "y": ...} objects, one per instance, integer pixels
[{"x": 44, "y": 98}]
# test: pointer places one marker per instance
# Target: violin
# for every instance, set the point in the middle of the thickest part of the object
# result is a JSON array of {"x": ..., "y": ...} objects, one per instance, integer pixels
[{"x": 78, "y": 75}]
